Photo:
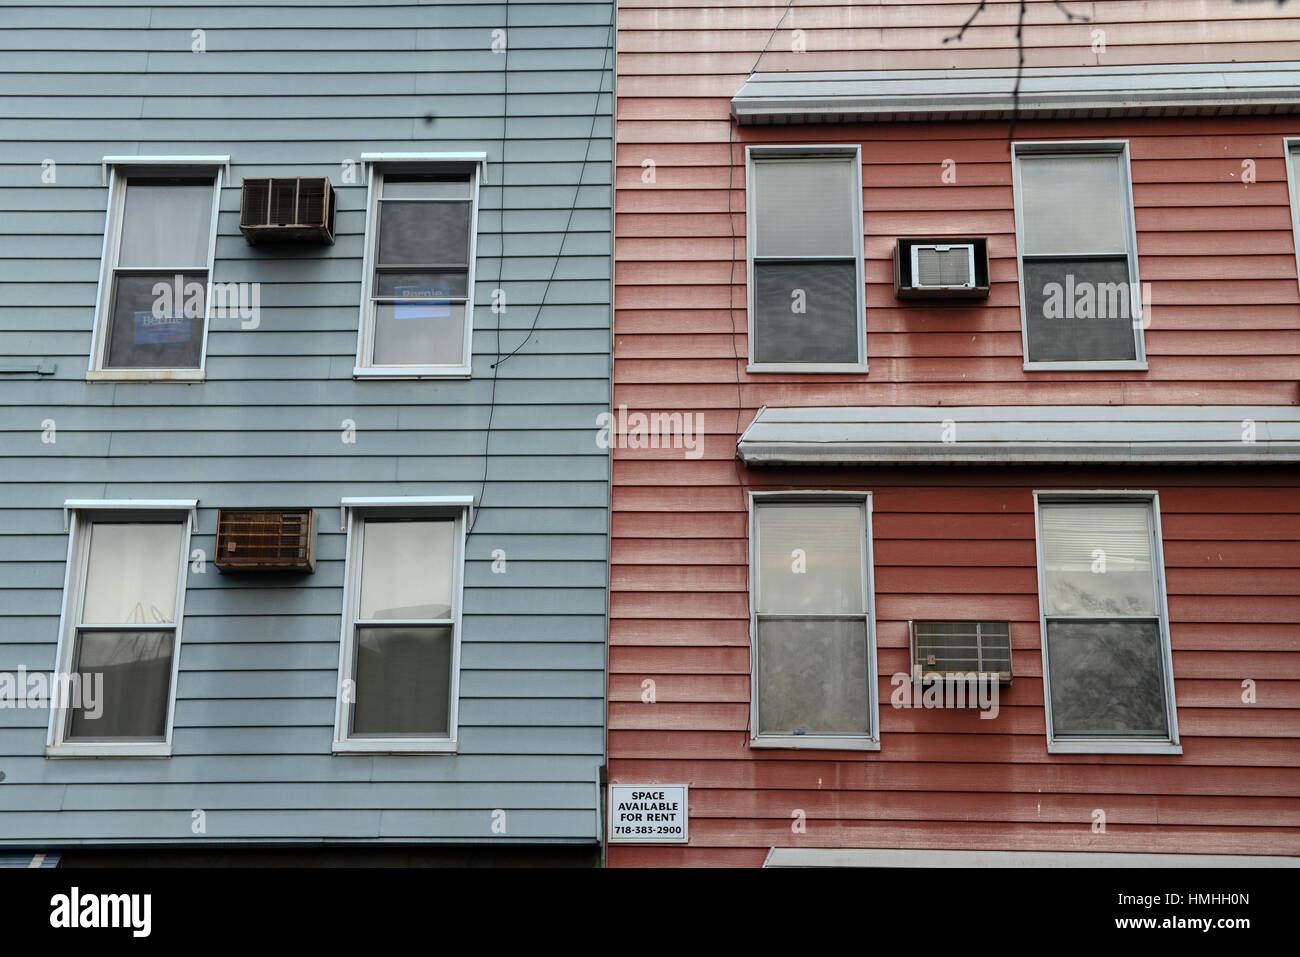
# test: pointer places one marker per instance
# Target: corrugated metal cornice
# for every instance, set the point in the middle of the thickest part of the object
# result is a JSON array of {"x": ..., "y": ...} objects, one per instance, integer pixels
[
  {"x": 1213, "y": 89},
  {"x": 989, "y": 435}
]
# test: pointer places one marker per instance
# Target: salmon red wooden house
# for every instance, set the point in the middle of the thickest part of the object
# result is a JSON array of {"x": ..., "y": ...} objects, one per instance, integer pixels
[{"x": 999, "y": 396}]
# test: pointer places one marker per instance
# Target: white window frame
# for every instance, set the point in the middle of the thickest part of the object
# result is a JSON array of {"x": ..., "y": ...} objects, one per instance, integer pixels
[
  {"x": 356, "y": 511},
  {"x": 471, "y": 164},
  {"x": 120, "y": 171},
  {"x": 1137, "y": 316},
  {"x": 772, "y": 151},
  {"x": 868, "y": 742},
  {"x": 1290, "y": 146},
  {"x": 1110, "y": 744},
  {"x": 80, "y": 517}
]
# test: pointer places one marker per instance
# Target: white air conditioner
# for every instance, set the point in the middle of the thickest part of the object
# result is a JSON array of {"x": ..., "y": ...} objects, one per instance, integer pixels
[
  {"x": 943, "y": 267},
  {"x": 954, "y": 649}
]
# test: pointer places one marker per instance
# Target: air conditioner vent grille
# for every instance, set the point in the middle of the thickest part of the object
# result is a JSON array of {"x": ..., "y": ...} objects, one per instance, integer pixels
[
  {"x": 939, "y": 266},
  {"x": 962, "y": 647},
  {"x": 271, "y": 539},
  {"x": 287, "y": 209}
]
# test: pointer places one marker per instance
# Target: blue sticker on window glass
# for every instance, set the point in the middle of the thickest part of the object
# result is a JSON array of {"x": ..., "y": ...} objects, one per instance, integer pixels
[
  {"x": 423, "y": 310},
  {"x": 154, "y": 329}
]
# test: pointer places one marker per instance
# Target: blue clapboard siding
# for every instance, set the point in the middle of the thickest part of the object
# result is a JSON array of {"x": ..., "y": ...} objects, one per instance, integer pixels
[{"x": 296, "y": 88}]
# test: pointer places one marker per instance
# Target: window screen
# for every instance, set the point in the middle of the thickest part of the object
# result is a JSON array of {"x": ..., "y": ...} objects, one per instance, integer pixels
[
  {"x": 807, "y": 280},
  {"x": 1081, "y": 300},
  {"x": 1105, "y": 647},
  {"x": 811, "y": 608},
  {"x": 158, "y": 281}
]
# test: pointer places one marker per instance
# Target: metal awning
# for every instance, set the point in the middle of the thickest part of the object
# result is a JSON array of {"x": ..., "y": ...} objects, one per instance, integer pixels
[
  {"x": 1037, "y": 434},
  {"x": 1180, "y": 89}
]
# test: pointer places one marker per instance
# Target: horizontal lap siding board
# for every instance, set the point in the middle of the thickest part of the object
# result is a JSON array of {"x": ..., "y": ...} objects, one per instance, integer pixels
[
  {"x": 950, "y": 779},
  {"x": 1225, "y": 330},
  {"x": 294, "y": 89}
]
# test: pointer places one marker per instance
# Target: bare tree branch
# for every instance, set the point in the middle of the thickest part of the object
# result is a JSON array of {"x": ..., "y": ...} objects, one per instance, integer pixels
[{"x": 1020, "y": 46}]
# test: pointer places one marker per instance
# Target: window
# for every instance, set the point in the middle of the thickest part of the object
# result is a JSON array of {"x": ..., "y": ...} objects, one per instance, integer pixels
[
  {"x": 812, "y": 627},
  {"x": 806, "y": 302},
  {"x": 1106, "y": 659},
  {"x": 401, "y": 629},
  {"x": 1080, "y": 298},
  {"x": 418, "y": 307},
  {"x": 121, "y": 630},
  {"x": 152, "y": 314},
  {"x": 1291, "y": 147}
]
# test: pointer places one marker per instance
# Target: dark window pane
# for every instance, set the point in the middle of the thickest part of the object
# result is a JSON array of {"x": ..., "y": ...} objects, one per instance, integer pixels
[
  {"x": 1106, "y": 678},
  {"x": 813, "y": 675},
  {"x": 420, "y": 285},
  {"x": 423, "y": 234},
  {"x": 419, "y": 333},
  {"x": 403, "y": 680},
  {"x": 827, "y": 331},
  {"x": 1078, "y": 309},
  {"x": 136, "y": 670},
  {"x": 156, "y": 330}
]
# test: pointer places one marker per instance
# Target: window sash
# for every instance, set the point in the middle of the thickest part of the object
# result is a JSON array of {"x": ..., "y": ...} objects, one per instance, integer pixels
[
  {"x": 368, "y": 330},
  {"x": 756, "y": 156},
  {"x": 345, "y": 738},
  {"x": 869, "y": 738},
  {"x": 1024, "y": 153},
  {"x": 1091, "y": 741},
  {"x": 69, "y": 713},
  {"x": 111, "y": 267},
  {"x": 72, "y": 626}
]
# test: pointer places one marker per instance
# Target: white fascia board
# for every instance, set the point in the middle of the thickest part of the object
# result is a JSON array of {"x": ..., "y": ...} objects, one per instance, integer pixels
[
  {"x": 480, "y": 157},
  {"x": 131, "y": 504},
  {"x": 1167, "y": 89}
]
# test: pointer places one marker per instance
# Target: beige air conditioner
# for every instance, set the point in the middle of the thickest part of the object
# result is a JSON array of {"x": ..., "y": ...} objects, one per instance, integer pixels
[{"x": 296, "y": 209}]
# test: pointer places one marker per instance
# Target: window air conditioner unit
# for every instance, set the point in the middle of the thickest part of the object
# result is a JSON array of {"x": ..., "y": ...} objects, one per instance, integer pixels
[
  {"x": 956, "y": 649},
  {"x": 297, "y": 209},
  {"x": 941, "y": 268},
  {"x": 272, "y": 540}
]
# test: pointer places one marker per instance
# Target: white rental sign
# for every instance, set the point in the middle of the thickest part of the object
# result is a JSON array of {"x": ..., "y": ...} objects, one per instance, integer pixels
[{"x": 647, "y": 813}]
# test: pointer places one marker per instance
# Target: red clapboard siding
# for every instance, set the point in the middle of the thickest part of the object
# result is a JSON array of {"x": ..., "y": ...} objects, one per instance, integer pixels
[
  {"x": 1232, "y": 543},
  {"x": 1225, "y": 329}
]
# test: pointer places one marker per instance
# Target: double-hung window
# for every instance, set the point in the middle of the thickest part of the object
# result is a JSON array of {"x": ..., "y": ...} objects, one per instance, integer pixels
[
  {"x": 812, "y": 628},
  {"x": 120, "y": 637},
  {"x": 1080, "y": 297},
  {"x": 804, "y": 243},
  {"x": 417, "y": 307},
  {"x": 1291, "y": 148},
  {"x": 401, "y": 628},
  {"x": 152, "y": 314},
  {"x": 1107, "y": 667}
]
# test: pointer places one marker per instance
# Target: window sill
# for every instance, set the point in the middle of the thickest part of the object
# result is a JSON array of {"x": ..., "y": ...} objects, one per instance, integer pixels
[
  {"x": 110, "y": 749},
  {"x": 815, "y": 742},
  {"x": 412, "y": 372},
  {"x": 807, "y": 368},
  {"x": 145, "y": 375},
  {"x": 395, "y": 746},
  {"x": 1094, "y": 746},
  {"x": 1104, "y": 365}
]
